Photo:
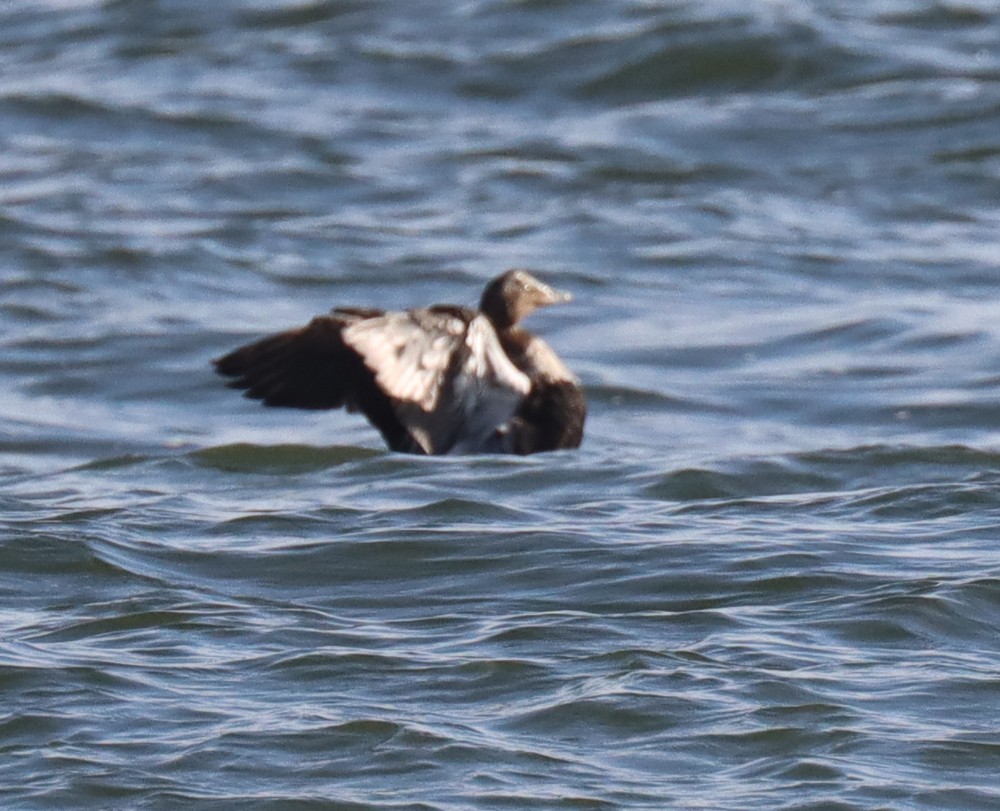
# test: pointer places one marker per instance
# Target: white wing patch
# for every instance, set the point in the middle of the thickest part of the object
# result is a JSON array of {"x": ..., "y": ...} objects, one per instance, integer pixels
[
  {"x": 488, "y": 390},
  {"x": 488, "y": 362},
  {"x": 451, "y": 383},
  {"x": 409, "y": 355}
]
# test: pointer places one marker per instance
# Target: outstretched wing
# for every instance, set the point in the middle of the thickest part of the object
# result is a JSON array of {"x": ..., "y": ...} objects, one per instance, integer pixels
[
  {"x": 312, "y": 368},
  {"x": 308, "y": 367},
  {"x": 432, "y": 381},
  {"x": 409, "y": 352},
  {"x": 448, "y": 379}
]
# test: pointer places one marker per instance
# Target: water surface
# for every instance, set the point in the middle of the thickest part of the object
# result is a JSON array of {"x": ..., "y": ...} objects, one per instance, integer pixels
[{"x": 768, "y": 579}]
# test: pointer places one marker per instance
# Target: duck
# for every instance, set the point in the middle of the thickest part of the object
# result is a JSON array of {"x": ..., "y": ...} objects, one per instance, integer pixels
[{"x": 443, "y": 379}]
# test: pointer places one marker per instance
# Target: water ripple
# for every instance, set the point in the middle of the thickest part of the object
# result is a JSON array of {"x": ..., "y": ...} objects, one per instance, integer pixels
[{"x": 766, "y": 579}]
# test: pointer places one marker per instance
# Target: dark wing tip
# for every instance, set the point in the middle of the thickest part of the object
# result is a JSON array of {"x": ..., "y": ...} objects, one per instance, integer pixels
[
  {"x": 301, "y": 368},
  {"x": 228, "y": 365}
]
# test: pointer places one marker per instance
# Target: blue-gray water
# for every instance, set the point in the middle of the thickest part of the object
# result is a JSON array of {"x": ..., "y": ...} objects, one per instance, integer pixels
[{"x": 769, "y": 579}]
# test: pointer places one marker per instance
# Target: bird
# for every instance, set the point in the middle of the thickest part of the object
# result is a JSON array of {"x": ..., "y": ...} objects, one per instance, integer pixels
[{"x": 443, "y": 379}]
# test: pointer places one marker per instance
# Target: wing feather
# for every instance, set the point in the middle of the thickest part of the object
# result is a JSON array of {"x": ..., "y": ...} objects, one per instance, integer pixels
[{"x": 450, "y": 381}]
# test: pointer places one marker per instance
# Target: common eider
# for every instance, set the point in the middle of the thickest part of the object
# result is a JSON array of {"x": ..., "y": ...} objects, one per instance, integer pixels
[{"x": 443, "y": 379}]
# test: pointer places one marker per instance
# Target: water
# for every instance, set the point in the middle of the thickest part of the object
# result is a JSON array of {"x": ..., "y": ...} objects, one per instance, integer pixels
[{"x": 768, "y": 579}]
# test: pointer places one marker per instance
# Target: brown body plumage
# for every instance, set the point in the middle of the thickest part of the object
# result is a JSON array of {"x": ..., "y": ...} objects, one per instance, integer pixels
[{"x": 434, "y": 380}]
